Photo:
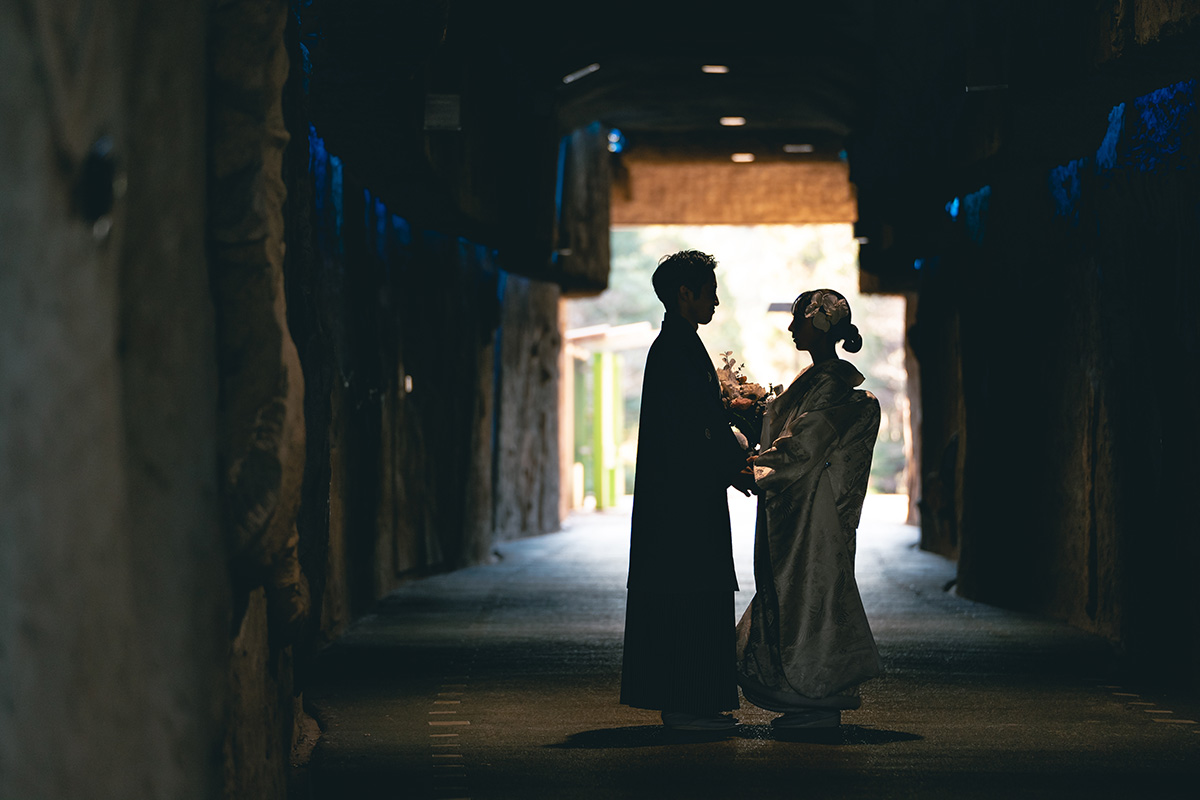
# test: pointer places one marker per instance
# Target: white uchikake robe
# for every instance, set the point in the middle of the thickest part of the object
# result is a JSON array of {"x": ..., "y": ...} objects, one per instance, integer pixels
[{"x": 805, "y": 641}]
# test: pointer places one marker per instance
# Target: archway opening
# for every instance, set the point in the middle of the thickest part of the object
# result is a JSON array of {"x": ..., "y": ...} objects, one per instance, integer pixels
[{"x": 761, "y": 270}]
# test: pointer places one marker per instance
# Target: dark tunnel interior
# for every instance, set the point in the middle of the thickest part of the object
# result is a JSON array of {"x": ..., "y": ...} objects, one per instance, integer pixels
[{"x": 282, "y": 330}]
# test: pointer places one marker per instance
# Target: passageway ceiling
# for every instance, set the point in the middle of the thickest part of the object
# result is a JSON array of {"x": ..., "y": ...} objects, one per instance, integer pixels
[
  {"x": 794, "y": 67},
  {"x": 885, "y": 82},
  {"x": 799, "y": 73}
]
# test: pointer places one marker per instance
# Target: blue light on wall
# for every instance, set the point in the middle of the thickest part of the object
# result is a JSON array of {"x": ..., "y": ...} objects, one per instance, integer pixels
[
  {"x": 1106, "y": 154},
  {"x": 920, "y": 262},
  {"x": 318, "y": 165},
  {"x": 975, "y": 208},
  {"x": 309, "y": 33},
  {"x": 378, "y": 221},
  {"x": 339, "y": 197},
  {"x": 563, "y": 143},
  {"x": 1066, "y": 189},
  {"x": 326, "y": 170},
  {"x": 952, "y": 208},
  {"x": 1154, "y": 134},
  {"x": 401, "y": 230},
  {"x": 1164, "y": 120}
]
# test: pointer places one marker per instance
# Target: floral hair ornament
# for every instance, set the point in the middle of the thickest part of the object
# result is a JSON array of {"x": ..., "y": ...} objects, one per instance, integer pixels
[{"x": 826, "y": 309}]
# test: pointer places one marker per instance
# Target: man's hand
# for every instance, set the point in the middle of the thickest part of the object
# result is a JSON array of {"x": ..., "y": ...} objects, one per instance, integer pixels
[{"x": 744, "y": 480}]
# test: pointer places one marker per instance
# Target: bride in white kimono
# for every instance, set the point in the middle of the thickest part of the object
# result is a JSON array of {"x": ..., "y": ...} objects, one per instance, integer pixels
[{"x": 804, "y": 644}]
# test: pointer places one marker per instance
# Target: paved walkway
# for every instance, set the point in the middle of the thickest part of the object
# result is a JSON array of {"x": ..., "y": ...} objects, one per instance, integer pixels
[{"x": 501, "y": 681}]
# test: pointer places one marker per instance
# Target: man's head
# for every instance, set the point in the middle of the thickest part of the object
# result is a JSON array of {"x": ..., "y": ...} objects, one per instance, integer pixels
[{"x": 686, "y": 282}]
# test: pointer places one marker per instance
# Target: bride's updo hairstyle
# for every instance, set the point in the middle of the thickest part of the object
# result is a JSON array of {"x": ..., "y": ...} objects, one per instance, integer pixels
[{"x": 830, "y": 312}]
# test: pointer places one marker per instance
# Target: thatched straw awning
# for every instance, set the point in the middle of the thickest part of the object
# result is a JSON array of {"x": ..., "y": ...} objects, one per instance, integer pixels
[{"x": 696, "y": 193}]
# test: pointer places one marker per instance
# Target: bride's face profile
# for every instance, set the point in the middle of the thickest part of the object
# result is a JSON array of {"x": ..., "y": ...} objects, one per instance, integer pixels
[{"x": 804, "y": 333}]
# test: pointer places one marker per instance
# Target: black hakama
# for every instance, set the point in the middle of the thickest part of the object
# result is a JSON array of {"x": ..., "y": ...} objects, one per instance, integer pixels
[{"x": 680, "y": 652}]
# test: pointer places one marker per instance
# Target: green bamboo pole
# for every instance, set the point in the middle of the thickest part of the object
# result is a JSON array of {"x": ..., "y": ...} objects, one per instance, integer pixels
[
  {"x": 602, "y": 428},
  {"x": 618, "y": 428}
]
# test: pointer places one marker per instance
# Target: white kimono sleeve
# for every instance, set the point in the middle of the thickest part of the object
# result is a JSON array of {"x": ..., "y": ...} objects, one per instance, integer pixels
[{"x": 802, "y": 446}]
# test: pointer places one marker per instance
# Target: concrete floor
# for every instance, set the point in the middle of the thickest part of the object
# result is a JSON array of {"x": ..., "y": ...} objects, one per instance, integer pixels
[{"x": 501, "y": 681}]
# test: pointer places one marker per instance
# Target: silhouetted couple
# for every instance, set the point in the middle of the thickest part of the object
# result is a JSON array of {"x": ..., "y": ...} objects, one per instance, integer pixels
[{"x": 804, "y": 645}]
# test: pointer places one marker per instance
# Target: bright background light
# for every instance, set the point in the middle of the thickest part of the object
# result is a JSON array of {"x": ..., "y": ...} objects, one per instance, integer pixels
[{"x": 758, "y": 266}]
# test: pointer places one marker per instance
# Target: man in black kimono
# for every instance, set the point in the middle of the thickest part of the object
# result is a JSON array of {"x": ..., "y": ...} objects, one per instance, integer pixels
[{"x": 679, "y": 629}]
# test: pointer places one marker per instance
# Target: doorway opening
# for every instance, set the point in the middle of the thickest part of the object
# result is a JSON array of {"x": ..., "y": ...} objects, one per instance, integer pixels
[{"x": 761, "y": 269}]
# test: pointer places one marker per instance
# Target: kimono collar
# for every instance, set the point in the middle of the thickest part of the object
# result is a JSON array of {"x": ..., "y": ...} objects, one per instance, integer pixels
[
  {"x": 827, "y": 373},
  {"x": 675, "y": 323},
  {"x": 679, "y": 329},
  {"x": 837, "y": 368}
]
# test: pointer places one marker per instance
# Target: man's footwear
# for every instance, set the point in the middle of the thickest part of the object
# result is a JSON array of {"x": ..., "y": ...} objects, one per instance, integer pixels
[
  {"x": 811, "y": 718},
  {"x": 684, "y": 721}
]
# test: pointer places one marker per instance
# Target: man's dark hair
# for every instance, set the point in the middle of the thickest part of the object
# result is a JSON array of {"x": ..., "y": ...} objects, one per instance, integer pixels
[{"x": 689, "y": 268}]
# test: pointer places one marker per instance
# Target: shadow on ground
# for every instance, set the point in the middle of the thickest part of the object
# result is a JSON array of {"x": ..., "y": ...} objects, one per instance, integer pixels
[{"x": 657, "y": 736}]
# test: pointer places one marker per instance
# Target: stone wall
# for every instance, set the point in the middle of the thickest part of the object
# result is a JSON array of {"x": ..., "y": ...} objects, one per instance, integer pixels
[
  {"x": 114, "y": 617},
  {"x": 429, "y": 380},
  {"x": 261, "y": 442},
  {"x": 415, "y": 338},
  {"x": 581, "y": 226},
  {"x": 1047, "y": 226},
  {"x": 239, "y": 400},
  {"x": 527, "y": 477},
  {"x": 1075, "y": 459}
]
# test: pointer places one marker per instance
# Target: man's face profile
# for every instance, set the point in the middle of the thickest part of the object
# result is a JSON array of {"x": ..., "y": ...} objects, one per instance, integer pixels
[{"x": 699, "y": 307}]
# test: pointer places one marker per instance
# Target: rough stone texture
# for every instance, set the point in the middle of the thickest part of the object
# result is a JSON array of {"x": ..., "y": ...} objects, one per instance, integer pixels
[
  {"x": 914, "y": 415},
  {"x": 1055, "y": 453},
  {"x": 1154, "y": 18},
  {"x": 481, "y": 474},
  {"x": 1076, "y": 460},
  {"x": 657, "y": 193},
  {"x": 1088, "y": 434},
  {"x": 262, "y": 446},
  {"x": 335, "y": 600},
  {"x": 313, "y": 290},
  {"x": 113, "y": 585},
  {"x": 396, "y": 320},
  {"x": 527, "y": 466},
  {"x": 582, "y": 249},
  {"x": 449, "y": 314},
  {"x": 259, "y": 726},
  {"x": 397, "y": 328},
  {"x": 935, "y": 343}
]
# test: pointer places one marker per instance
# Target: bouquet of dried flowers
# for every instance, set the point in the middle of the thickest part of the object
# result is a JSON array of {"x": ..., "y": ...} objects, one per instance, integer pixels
[{"x": 745, "y": 402}]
